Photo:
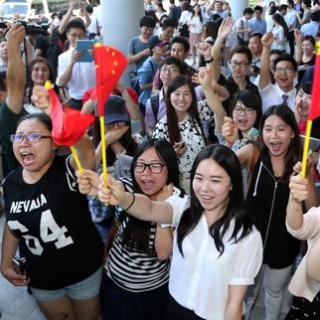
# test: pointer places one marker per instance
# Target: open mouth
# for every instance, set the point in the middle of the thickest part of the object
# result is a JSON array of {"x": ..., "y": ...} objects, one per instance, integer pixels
[
  {"x": 275, "y": 147},
  {"x": 27, "y": 158}
]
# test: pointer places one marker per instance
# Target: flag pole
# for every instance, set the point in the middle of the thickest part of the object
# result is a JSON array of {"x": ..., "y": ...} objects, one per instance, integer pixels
[
  {"x": 76, "y": 158},
  {"x": 103, "y": 150},
  {"x": 306, "y": 148}
]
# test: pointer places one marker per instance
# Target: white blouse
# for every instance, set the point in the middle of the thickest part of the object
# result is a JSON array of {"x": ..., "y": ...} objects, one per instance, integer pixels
[{"x": 200, "y": 279}]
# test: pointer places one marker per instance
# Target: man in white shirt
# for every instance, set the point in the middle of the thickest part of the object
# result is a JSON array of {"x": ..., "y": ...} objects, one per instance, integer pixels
[
  {"x": 292, "y": 22},
  {"x": 78, "y": 77},
  {"x": 285, "y": 69},
  {"x": 243, "y": 28}
]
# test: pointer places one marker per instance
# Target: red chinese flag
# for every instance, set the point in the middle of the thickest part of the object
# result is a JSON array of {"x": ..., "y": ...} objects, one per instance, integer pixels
[
  {"x": 314, "y": 111},
  {"x": 69, "y": 125},
  {"x": 110, "y": 64}
]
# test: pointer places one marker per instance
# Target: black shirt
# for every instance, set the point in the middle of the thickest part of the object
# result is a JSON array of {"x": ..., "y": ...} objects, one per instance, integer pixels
[{"x": 52, "y": 221}]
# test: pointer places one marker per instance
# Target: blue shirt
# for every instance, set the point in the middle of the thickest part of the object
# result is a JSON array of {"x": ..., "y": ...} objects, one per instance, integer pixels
[
  {"x": 135, "y": 46},
  {"x": 258, "y": 25},
  {"x": 146, "y": 74},
  {"x": 310, "y": 29}
]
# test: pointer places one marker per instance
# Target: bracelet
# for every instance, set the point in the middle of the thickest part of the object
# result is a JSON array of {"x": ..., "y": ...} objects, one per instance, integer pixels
[
  {"x": 132, "y": 202},
  {"x": 208, "y": 61}
]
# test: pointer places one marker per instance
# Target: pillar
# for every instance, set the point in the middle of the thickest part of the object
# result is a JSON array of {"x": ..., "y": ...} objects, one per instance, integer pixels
[
  {"x": 120, "y": 21},
  {"x": 237, "y": 7}
]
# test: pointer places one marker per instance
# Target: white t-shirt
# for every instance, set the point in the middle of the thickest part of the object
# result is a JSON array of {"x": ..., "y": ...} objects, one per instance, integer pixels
[
  {"x": 200, "y": 279},
  {"x": 83, "y": 75},
  {"x": 195, "y": 25},
  {"x": 278, "y": 35}
]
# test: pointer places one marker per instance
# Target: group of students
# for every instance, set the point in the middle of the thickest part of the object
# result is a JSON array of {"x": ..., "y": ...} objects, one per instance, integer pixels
[{"x": 196, "y": 216}]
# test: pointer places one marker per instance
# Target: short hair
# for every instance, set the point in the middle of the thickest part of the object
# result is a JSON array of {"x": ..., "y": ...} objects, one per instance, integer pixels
[
  {"x": 247, "y": 11},
  {"x": 255, "y": 34},
  {"x": 315, "y": 16},
  {"x": 258, "y": 8},
  {"x": 168, "y": 23},
  {"x": 243, "y": 50},
  {"x": 276, "y": 51},
  {"x": 147, "y": 21},
  {"x": 307, "y": 3},
  {"x": 290, "y": 2},
  {"x": 286, "y": 57},
  {"x": 76, "y": 23},
  {"x": 283, "y": 7},
  {"x": 306, "y": 87},
  {"x": 177, "y": 62},
  {"x": 309, "y": 38},
  {"x": 89, "y": 8},
  {"x": 181, "y": 40}
]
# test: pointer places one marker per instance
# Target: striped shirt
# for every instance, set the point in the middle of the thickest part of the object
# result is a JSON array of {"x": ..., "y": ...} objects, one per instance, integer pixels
[{"x": 132, "y": 269}]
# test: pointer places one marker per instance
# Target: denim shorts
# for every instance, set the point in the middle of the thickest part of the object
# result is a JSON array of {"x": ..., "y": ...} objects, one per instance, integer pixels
[{"x": 83, "y": 290}]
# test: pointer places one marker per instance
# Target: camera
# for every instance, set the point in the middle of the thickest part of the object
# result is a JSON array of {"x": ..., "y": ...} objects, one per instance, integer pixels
[
  {"x": 32, "y": 29},
  {"x": 3, "y": 25}
]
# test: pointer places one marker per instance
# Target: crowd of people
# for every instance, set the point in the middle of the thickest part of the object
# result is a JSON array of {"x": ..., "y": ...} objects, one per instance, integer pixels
[{"x": 204, "y": 206}]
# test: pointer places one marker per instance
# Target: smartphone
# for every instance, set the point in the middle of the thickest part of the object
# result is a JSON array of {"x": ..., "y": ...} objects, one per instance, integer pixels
[
  {"x": 19, "y": 265},
  {"x": 86, "y": 48}
]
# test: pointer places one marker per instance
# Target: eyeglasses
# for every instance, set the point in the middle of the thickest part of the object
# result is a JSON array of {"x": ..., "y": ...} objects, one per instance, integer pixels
[
  {"x": 155, "y": 167},
  {"x": 283, "y": 70},
  {"x": 248, "y": 111},
  {"x": 239, "y": 64},
  {"x": 31, "y": 137},
  {"x": 169, "y": 69}
]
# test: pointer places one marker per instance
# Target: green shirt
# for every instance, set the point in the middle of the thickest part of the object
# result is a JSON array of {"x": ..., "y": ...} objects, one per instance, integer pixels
[{"x": 8, "y": 125}]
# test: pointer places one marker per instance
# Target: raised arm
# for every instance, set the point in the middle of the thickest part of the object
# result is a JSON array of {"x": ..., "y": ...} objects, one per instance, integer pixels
[
  {"x": 137, "y": 205},
  {"x": 265, "y": 78},
  {"x": 66, "y": 19},
  {"x": 212, "y": 98},
  {"x": 224, "y": 30},
  {"x": 298, "y": 45},
  {"x": 16, "y": 72}
]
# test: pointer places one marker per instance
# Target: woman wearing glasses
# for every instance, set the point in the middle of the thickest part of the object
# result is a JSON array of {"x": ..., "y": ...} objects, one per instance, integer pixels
[
  {"x": 135, "y": 284},
  {"x": 245, "y": 116},
  {"x": 48, "y": 218},
  {"x": 216, "y": 249}
]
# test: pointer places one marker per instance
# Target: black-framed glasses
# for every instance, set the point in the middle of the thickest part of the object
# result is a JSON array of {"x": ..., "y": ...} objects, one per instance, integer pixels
[
  {"x": 241, "y": 64},
  {"x": 31, "y": 137},
  {"x": 154, "y": 167}
]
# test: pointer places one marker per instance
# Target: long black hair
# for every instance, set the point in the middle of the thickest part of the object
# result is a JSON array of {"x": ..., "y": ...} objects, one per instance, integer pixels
[
  {"x": 137, "y": 232},
  {"x": 294, "y": 151},
  {"x": 235, "y": 209},
  {"x": 172, "y": 119}
]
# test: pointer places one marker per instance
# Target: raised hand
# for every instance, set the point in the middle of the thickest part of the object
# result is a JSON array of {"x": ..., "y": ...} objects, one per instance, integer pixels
[
  {"x": 229, "y": 130},
  {"x": 267, "y": 39},
  {"x": 225, "y": 27},
  {"x": 205, "y": 48},
  {"x": 205, "y": 78},
  {"x": 298, "y": 36},
  {"x": 40, "y": 98}
]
